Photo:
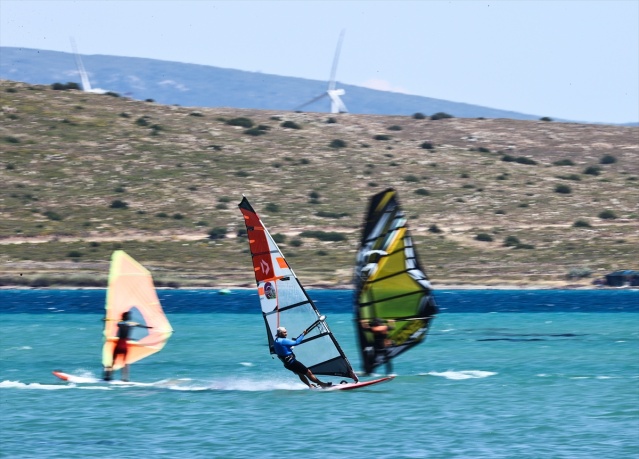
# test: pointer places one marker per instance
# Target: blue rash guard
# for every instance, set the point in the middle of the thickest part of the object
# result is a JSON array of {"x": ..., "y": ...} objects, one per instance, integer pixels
[{"x": 283, "y": 346}]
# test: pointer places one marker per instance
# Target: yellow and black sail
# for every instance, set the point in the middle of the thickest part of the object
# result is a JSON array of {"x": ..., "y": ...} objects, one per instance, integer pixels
[{"x": 391, "y": 287}]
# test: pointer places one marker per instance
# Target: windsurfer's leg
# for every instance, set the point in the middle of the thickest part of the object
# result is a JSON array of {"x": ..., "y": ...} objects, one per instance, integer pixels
[
  {"x": 313, "y": 378},
  {"x": 125, "y": 367},
  {"x": 389, "y": 364},
  {"x": 305, "y": 380},
  {"x": 369, "y": 360},
  {"x": 108, "y": 370}
]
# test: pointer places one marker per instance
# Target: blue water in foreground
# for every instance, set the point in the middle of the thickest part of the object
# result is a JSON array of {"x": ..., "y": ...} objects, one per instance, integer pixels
[{"x": 503, "y": 374}]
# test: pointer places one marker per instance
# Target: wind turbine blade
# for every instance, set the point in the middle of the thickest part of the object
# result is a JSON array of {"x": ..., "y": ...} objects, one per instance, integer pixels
[
  {"x": 86, "y": 85},
  {"x": 331, "y": 82},
  {"x": 315, "y": 99}
]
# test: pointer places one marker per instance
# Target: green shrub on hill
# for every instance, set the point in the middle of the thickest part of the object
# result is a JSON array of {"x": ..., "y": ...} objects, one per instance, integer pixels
[
  {"x": 65, "y": 87},
  {"x": 440, "y": 116},
  {"x": 485, "y": 237},
  {"x": 562, "y": 189},
  {"x": 217, "y": 233},
  {"x": 330, "y": 236},
  {"x": 241, "y": 122},
  {"x": 327, "y": 214},
  {"x": 592, "y": 170},
  {"x": 290, "y": 125},
  {"x": 52, "y": 215},
  {"x": 118, "y": 204},
  {"x": 511, "y": 241},
  {"x": 254, "y": 132},
  {"x": 581, "y": 224},
  {"x": 607, "y": 215},
  {"x": 579, "y": 273},
  {"x": 573, "y": 177}
]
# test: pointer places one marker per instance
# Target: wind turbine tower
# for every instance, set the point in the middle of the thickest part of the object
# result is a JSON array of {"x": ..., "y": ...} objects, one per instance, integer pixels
[
  {"x": 84, "y": 77},
  {"x": 337, "y": 105}
]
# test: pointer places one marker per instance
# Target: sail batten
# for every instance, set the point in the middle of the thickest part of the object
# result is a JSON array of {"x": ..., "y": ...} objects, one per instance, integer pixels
[
  {"x": 390, "y": 284},
  {"x": 284, "y": 301}
]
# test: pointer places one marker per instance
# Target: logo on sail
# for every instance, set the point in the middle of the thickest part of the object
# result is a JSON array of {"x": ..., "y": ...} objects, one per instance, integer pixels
[
  {"x": 266, "y": 269},
  {"x": 269, "y": 291}
]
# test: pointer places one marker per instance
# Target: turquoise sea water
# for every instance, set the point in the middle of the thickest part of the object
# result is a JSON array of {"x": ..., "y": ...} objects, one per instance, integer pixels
[{"x": 503, "y": 374}]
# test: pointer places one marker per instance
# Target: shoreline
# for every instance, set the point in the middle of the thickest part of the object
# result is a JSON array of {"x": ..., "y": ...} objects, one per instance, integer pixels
[{"x": 436, "y": 287}]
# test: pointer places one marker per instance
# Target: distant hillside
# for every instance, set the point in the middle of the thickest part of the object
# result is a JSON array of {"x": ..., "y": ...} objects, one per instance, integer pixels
[
  {"x": 489, "y": 201},
  {"x": 175, "y": 83}
]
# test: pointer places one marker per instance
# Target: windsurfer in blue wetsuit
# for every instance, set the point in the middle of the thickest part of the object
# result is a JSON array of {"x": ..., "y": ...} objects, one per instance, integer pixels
[
  {"x": 122, "y": 346},
  {"x": 283, "y": 349}
]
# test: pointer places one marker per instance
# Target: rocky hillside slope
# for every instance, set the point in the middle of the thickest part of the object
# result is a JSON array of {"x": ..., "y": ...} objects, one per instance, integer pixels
[{"x": 490, "y": 201}]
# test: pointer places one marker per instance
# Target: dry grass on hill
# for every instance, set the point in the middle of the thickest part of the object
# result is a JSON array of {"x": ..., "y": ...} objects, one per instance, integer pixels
[{"x": 69, "y": 159}]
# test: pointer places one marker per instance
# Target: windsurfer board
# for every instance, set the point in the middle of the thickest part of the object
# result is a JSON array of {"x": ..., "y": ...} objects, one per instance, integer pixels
[
  {"x": 84, "y": 379},
  {"x": 62, "y": 376},
  {"x": 358, "y": 385},
  {"x": 76, "y": 379}
]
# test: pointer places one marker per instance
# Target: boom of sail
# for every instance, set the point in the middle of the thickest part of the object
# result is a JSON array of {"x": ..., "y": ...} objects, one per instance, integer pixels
[
  {"x": 390, "y": 284},
  {"x": 131, "y": 289},
  {"x": 285, "y": 302}
]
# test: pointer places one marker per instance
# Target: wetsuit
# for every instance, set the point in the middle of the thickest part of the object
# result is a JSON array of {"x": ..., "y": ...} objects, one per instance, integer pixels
[
  {"x": 381, "y": 343},
  {"x": 285, "y": 353},
  {"x": 380, "y": 335},
  {"x": 121, "y": 346}
]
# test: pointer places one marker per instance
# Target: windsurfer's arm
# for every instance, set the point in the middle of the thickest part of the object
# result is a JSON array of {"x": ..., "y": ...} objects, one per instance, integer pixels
[{"x": 290, "y": 342}]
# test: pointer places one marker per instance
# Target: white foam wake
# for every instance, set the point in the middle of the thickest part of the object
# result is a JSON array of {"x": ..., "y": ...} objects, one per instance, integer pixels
[
  {"x": 37, "y": 386},
  {"x": 465, "y": 374},
  {"x": 177, "y": 384}
]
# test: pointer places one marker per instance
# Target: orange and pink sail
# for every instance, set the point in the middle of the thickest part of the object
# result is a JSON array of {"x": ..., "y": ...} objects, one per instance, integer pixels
[{"x": 131, "y": 289}]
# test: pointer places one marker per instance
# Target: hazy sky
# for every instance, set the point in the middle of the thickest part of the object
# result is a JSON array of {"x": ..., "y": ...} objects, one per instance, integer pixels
[{"x": 576, "y": 60}]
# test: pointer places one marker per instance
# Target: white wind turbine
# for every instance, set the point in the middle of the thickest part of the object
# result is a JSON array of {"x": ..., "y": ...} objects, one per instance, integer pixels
[
  {"x": 84, "y": 77},
  {"x": 337, "y": 106}
]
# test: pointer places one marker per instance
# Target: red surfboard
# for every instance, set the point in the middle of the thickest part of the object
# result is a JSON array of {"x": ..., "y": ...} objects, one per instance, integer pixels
[
  {"x": 62, "y": 376},
  {"x": 79, "y": 379},
  {"x": 75, "y": 379},
  {"x": 358, "y": 385}
]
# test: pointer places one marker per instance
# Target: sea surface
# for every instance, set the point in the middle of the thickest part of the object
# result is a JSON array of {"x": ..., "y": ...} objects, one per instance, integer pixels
[{"x": 503, "y": 374}]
